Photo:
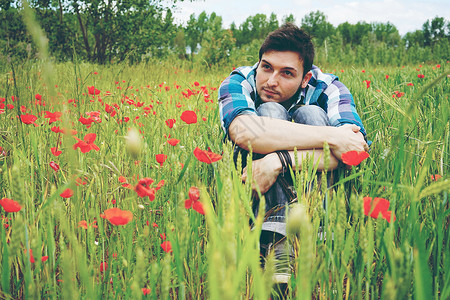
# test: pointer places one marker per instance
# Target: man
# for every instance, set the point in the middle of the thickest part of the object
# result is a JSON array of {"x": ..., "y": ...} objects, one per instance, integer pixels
[{"x": 281, "y": 103}]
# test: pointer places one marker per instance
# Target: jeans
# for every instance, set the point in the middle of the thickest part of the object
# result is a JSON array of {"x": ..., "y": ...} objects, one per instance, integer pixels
[{"x": 277, "y": 199}]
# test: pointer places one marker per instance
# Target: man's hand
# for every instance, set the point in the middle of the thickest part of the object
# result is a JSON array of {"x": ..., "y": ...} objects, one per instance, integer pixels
[
  {"x": 347, "y": 138},
  {"x": 265, "y": 172}
]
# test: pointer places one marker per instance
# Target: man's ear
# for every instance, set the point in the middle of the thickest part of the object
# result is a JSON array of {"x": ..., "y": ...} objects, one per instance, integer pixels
[{"x": 306, "y": 79}]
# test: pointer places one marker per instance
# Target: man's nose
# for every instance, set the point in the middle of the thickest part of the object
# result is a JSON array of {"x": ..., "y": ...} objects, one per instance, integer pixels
[{"x": 273, "y": 80}]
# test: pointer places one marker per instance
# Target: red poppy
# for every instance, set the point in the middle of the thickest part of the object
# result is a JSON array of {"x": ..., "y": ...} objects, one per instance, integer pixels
[
  {"x": 189, "y": 116},
  {"x": 170, "y": 122},
  {"x": 55, "y": 151},
  {"x": 38, "y": 97},
  {"x": 93, "y": 91},
  {"x": 206, "y": 156},
  {"x": 173, "y": 142},
  {"x": 53, "y": 116},
  {"x": 28, "y": 119},
  {"x": 80, "y": 181},
  {"x": 31, "y": 257},
  {"x": 398, "y": 94},
  {"x": 161, "y": 158},
  {"x": 108, "y": 108},
  {"x": 166, "y": 246},
  {"x": 122, "y": 179},
  {"x": 354, "y": 158},
  {"x": 116, "y": 216},
  {"x": 103, "y": 266},
  {"x": 143, "y": 188},
  {"x": 88, "y": 143},
  {"x": 367, "y": 83},
  {"x": 188, "y": 203},
  {"x": 44, "y": 258},
  {"x": 194, "y": 193},
  {"x": 88, "y": 122},
  {"x": 198, "y": 207},
  {"x": 54, "y": 165},
  {"x": 160, "y": 184},
  {"x": 83, "y": 224},
  {"x": 67, "y": 193},
  {"x": 93, "y": 224},
  {"x": 56, "y": 129},
  {"x": 436, "y": 177},
  {"x": 10, "y": 205},
  {"x": 146, "y": 291},
  {"x": 163, "y": 236},
  {"x": 377, "y": 206},
  {"x": 420, "y": 75}
]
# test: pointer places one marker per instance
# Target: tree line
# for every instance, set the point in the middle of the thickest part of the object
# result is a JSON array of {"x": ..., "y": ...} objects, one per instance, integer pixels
[{"x": 104, "y": 31}]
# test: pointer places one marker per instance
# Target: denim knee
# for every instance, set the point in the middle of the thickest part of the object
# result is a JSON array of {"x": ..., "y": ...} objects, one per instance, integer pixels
[
  {"x": 311, "y": 115},
  {"x": 273, "y": 110}
]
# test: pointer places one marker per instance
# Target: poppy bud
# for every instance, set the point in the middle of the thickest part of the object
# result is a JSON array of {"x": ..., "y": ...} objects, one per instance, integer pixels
[
  {"x": 134, "y": 142},
  {"x": 298, "y": 219}
]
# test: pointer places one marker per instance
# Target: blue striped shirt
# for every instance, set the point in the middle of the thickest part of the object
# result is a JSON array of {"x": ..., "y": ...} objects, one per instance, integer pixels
[{"x": 238, "y": 95}]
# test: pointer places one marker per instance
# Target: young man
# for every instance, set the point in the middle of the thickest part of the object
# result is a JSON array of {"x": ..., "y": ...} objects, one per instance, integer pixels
[{"x": 281, "y": 103}]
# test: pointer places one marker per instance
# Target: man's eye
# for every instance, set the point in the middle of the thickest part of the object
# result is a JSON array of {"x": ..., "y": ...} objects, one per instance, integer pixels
[
  {"x": 288, "y": 73},
  {"x": 267, "y": 67}
]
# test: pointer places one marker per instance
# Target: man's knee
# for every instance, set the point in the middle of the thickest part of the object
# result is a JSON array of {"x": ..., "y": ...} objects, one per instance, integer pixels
[
  {"x": 311, "y": 115},
  {"x": 273, "y": 110}
]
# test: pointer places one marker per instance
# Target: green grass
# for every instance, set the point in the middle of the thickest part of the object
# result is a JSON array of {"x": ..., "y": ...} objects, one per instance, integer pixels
[{"x": 214, "y": 256}]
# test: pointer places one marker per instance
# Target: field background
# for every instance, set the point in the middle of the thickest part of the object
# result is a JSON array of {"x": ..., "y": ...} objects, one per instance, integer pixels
[{"x": 61, "y": 247}]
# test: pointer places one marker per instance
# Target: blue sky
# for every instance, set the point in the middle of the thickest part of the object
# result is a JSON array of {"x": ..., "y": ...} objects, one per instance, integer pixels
[{"x": 406, "y": 15}]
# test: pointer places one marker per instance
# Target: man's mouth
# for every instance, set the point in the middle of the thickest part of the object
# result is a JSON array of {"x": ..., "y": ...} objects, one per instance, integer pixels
[{"x": 270, "y": 92}]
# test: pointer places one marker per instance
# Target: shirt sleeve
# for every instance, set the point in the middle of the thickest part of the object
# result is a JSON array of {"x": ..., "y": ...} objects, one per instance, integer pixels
[
  {"x": 236, "y": 96},
  {"x": 341, "y": 106}
]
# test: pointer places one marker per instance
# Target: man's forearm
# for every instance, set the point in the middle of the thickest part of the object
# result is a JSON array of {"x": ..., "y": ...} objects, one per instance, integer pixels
[
  {"x": 316, "y": 156},
  {"x": 267, "y": 169},
  {"x": 265, "y": 135}
]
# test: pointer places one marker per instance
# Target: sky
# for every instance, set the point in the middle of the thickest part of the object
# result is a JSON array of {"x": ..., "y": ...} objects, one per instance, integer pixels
[{"x": 406, "y": 15}]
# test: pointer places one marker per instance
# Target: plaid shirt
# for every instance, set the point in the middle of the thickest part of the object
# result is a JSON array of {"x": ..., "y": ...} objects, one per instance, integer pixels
[{"x": 237, "y": 95}]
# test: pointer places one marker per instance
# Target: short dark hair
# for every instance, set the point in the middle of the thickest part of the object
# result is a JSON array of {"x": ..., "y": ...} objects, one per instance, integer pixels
[{"x": 290, "y": 38}]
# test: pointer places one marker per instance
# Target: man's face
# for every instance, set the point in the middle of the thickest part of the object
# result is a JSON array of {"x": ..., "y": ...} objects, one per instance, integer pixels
[{"x": 279, "y": 76}]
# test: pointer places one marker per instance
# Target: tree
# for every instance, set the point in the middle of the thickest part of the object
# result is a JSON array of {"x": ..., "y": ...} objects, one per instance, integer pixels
[
  {"x": 316, "y": 24},
  {"x": 353, "y": 34},
  {"x": 119, "y": 27},
  {"x": 387, "y": 33},
  {"x": 254, "y": 28},
  {"x": 195, "y": 29},
  {"x": 288, "y": 19},
  {"x": 100, "y": 30}
]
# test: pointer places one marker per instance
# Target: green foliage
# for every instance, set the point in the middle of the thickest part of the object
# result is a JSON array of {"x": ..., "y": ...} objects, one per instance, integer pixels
[
  {"x": 132, "y": 31},
  {"x": 217, "y": 255},
  {"x": 254, "y": 28},
  {"x": 217, "y": 48},
  {"x": 316, "y": 24},
  {"x": 98, "y": 31}
]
